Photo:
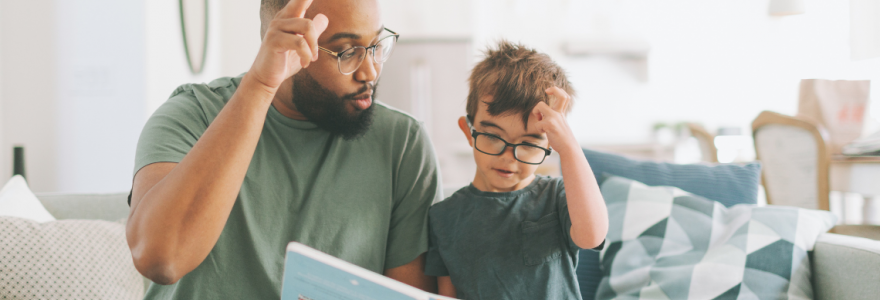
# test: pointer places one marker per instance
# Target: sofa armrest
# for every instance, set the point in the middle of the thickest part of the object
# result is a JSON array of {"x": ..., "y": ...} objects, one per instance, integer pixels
[
  {"x": 845, "y": 267},
  {"x": 107, "y": 207}
]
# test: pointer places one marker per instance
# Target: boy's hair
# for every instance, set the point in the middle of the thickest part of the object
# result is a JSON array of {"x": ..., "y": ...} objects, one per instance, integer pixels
[{"x": 516, "y": 77}]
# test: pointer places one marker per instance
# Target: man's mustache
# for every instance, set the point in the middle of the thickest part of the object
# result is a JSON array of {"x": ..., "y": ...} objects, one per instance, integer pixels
[{"x": 367, "y": 87}]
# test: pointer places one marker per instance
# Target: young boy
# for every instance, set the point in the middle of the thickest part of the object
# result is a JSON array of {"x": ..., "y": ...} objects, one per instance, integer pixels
[{"x": 511, "y": 234}]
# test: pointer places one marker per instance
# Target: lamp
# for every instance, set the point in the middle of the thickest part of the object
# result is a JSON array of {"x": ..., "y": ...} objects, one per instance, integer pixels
[{"x": 787, "y": 7}]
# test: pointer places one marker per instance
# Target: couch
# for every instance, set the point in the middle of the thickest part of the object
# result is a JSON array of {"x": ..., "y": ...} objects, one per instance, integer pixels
[
  {"x": 107, "y": 207},
  {"x": 844, "y": 267}
]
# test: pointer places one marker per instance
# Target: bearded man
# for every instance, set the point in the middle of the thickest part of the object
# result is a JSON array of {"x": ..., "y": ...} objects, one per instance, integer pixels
[{"x": 227, "y": 173}]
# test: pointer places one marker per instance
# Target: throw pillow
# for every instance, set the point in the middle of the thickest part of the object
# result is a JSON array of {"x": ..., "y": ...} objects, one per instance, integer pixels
[
  {"x": 17, "y": 200},
  {"x": 68, "y": 259},
  {"x": 729, "y": 184},
  {"x": 664, "y": 243}
]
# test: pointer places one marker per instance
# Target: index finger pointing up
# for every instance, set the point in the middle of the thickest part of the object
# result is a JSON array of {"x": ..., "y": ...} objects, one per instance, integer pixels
[{"x": 295, "y": 8}]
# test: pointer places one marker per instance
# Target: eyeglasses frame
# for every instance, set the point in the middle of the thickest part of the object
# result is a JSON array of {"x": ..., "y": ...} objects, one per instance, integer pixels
[
  {"x": 475, "y": 134},
  {"x": 370, "y": 49}
]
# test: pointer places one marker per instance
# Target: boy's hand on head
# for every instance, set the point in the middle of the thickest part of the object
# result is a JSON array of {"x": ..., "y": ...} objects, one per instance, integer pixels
[{"x": 550, "y": 119}]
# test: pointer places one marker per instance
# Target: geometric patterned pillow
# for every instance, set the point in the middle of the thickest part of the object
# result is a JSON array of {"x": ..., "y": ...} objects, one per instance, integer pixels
[
  {"x": 664, "y": 243},
  {"x": 730, "y": 184},
  {"x": 67, "y": 259}
]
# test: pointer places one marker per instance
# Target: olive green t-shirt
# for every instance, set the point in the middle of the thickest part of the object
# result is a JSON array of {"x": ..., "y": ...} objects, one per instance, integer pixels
[{"x": 364, "y": 200}]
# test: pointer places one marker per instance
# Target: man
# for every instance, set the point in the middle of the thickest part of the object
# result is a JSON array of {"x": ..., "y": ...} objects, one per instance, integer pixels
[{"x": 228, "y": 173}]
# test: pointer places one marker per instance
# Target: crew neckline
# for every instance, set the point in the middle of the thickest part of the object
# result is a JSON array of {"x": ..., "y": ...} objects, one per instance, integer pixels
[
  {"x": 477, "y": 192},
  {"x": 276, "y": 115}
]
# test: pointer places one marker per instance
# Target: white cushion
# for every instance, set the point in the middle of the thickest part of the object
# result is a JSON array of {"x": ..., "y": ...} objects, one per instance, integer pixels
[
  {"x": 17, "y": 200},
  {"x": 67, "y": 259}
]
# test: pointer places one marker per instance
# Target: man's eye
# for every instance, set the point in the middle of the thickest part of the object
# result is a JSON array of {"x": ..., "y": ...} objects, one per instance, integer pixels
[{"x": 347, "y": 54}]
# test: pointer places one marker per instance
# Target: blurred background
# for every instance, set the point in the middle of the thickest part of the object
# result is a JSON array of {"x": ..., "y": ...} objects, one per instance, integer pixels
[{"x": 78, "y": 78}]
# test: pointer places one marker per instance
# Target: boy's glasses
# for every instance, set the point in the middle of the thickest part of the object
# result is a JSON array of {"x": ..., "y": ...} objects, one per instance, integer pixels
[
  {"x": 350, "y": 59},
  {"x": 494, "y": 145}
]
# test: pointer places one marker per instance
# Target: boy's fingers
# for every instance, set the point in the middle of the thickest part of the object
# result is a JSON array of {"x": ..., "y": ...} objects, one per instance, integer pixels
[
  {"x": 559, "y": 99},
  {"x": 540, "y": 111},
  {"x": 295, "y": 9}
]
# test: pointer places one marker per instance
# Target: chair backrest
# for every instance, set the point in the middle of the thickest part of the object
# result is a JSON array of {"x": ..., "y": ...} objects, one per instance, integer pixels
[
  {"x": 795, "y": 157},
  {"x": 706, "y": 140}
]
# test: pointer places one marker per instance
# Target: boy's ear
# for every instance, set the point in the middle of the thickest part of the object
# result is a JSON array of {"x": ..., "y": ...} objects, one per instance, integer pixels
[{"x": 462, "y": 123}]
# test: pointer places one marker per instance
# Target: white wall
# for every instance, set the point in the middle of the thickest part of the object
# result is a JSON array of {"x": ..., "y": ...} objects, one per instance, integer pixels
[
  {"x": 78, "y": 78},
  {"x": 715, "y": 62},
  {"x": 2, "y": 166},
  {"x": 240, "y": 35},
  {"x": 28, "y": 90},
  {"x": 166, "y": 66},
  {"x": 100, "y": 93}
]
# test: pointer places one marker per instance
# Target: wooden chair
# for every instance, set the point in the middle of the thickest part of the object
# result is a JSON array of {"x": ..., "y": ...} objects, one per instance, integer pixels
[
  {"x": 706, "y": 140},
  {"x": 795, "y": 157}
]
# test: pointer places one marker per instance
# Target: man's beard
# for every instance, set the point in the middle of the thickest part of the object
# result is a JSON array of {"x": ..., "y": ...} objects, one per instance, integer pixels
[{"x": 322, "y": 107}]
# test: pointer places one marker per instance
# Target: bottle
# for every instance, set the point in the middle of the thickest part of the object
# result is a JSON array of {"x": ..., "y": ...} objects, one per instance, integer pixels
[{"x": 18, "y": 161}]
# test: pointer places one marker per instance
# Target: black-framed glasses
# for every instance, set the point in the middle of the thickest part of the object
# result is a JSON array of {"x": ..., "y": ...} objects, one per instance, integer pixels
[
  {"x": 350, "y": 59},
  {"x": 494, "y": 145}
]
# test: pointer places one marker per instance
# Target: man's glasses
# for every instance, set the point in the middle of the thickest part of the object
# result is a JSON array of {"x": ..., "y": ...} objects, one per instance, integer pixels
[
  {"x": 350, "y": 59},
  {"x": 494, "y": 145}
]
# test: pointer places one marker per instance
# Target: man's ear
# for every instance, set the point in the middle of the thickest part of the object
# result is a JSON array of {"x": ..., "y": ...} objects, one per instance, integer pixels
[{"x": 462, "y": 123}]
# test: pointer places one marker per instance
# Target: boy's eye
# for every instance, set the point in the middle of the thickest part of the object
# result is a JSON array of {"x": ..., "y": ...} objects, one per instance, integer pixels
[{"x": 493, "y": 138}]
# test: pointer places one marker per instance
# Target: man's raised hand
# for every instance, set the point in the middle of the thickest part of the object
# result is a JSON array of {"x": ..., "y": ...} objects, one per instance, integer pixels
[{"x": 289, "y": 45}]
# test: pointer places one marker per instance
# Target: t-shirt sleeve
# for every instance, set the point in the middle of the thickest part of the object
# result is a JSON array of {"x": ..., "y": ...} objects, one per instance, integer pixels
[
  {"x": 417, "y": 185},
  {"x": 434, "y": 264},
  {"x": 171, "y": 131},
  {"x": 565, "y": 217}
]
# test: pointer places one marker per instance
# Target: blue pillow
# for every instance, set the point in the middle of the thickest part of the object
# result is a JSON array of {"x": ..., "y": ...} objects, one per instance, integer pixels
[{"x": 729, "y": 184}]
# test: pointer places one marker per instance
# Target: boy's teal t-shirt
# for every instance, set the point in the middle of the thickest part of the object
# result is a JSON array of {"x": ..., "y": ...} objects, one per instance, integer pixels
[
  {"x": 513, "y": 245},
  {"x": 365, "y": 201}
]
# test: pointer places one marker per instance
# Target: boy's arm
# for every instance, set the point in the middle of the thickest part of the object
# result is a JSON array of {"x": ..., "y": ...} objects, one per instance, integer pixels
[
  {"x": 445, "y": 287},
  {"x": 586, "y": 207}
]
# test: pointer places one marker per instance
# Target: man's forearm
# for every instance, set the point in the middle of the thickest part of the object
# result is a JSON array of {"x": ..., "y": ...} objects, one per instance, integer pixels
[
  {"x": 176, "y": 221},
  {"x": 413, "y": 273}
]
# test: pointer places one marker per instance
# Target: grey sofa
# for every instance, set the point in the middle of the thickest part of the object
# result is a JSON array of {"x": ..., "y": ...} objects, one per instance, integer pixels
[
  {"x": 844, "y": 266},
  {"x": 107, "y": 207}
]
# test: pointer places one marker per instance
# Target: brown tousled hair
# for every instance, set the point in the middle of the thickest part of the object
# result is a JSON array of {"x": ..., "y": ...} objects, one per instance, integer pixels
[{"x": 516, "y": 77}]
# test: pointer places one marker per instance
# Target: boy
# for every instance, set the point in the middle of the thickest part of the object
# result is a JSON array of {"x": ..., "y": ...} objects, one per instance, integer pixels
[{"x": 512, "y": 234}]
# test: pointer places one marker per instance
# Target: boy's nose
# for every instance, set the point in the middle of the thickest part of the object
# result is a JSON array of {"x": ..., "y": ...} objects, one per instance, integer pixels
[{"x": 508, "y": 154}]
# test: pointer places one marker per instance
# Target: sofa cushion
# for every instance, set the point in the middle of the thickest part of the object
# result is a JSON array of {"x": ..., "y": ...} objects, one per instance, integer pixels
[
  {"x": 68, "y": 259},
  {"x": 729, "y": 184},
  {"x": 845, "y": 267},
  {"x": 664, "y": 243},
  {"x": 17, "y": 200}
]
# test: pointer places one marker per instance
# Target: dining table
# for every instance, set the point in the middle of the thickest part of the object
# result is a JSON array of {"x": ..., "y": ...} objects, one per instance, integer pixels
[{"x": 860, "y": 175}]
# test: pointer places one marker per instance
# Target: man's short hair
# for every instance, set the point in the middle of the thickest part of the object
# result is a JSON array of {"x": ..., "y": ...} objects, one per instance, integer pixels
[
  {"x": 268, "y": 9},
  {"x": 516, "y": 77},
  {"x": 272, "y": 6}
]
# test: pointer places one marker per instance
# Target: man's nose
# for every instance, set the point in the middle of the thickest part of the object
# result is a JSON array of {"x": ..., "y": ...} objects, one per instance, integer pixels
[{"x": 368, "y": 71}]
